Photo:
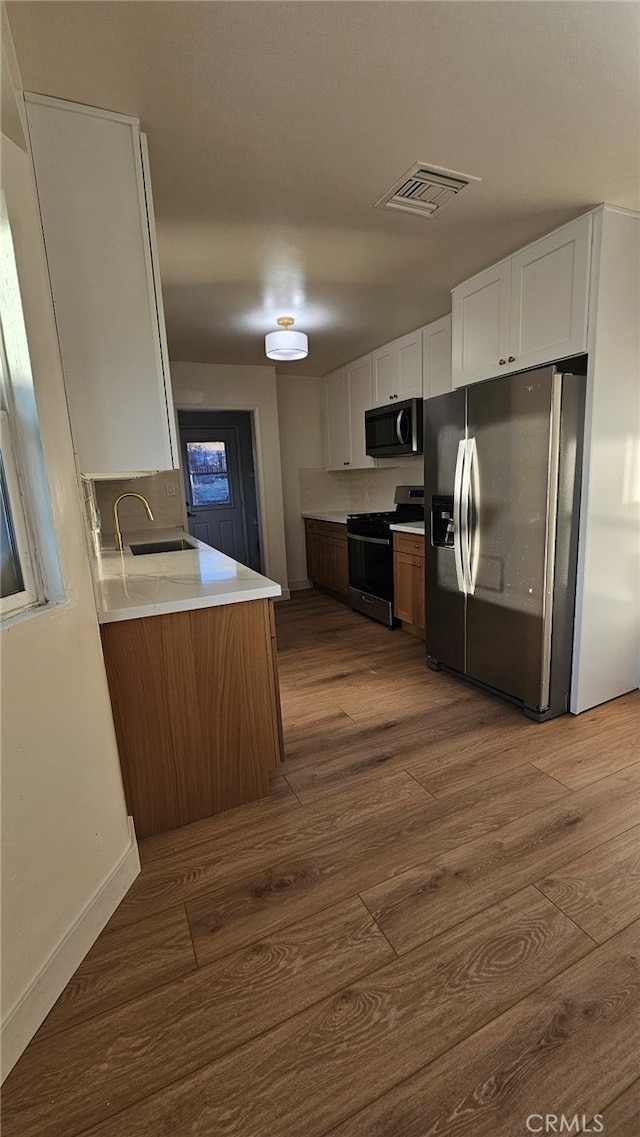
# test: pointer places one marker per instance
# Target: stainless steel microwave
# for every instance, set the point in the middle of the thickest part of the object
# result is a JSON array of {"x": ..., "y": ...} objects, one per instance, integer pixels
[{"x": 394, "y": 430}]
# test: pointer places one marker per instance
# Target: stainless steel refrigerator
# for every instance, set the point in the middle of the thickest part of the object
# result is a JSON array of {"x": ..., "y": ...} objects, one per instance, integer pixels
[{"x": 502, "y": 495}]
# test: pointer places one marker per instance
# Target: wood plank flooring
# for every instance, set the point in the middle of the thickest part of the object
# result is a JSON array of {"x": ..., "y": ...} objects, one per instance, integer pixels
[{"x": 431, "y": 929}]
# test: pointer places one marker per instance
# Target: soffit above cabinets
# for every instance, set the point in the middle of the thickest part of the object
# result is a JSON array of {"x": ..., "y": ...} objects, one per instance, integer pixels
[{"x": 274, "y": 129}]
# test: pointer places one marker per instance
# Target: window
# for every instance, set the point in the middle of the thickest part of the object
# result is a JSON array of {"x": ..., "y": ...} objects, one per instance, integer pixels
[
  {"x": 30, "y": 570},
  {"x": 18, "y": 580},
  {"x": 208, "y": 473}
]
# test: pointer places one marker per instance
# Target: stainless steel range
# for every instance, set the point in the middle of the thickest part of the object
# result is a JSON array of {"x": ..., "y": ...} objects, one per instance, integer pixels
[{"x": 371, "y": 554}]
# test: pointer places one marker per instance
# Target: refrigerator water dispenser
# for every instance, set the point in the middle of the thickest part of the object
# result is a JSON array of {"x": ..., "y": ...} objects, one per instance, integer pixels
[{"x": 442, "y": 521}]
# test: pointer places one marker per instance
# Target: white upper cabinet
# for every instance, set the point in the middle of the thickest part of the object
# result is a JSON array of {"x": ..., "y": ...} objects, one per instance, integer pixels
[
  {"x": 97, "y": 217},
  {"x": 359, "y": 390},
  {"x": 436, "y": 358},
  {"x": 525, "y": 311},
  {"x": 397, "y": 370},
  {"x": 336, "y": 421},
  {"x": 480, "y": 326},
  {"x": 347, "y": 397},
  {"x": 549, "y": 292}
]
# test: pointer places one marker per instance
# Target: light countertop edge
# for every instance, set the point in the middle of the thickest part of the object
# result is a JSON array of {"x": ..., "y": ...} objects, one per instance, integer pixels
[
  {"x": 409, "y": 527},
  {"x": 320, "y": 515},
  {"x": 132, "y": 587}
]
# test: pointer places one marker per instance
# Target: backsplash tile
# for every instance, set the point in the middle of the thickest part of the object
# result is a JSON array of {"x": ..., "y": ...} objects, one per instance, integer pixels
[
  {"x": 167, "y": 510},
  {"x": 356, "y": 491}
]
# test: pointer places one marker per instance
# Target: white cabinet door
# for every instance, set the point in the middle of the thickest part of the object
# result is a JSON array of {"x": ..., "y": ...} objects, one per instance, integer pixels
[
  {"x": 91, "y": 190},
  {"x": 480, "y": 326},
  {"x": 359, "y": 387},
  {"x": 336, "y": 422},
  {"x": 436, "y": 358},
  {"x": 384, "y": 363},
  {"x": 549, "y": 296},
  {"x": 397, "y": 370},
  {"x": 409, "y": 350}
]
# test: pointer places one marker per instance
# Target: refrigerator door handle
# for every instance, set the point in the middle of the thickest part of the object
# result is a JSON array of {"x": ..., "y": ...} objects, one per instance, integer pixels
[
  {"x": 550, "y": 536},
  {"x": 470, "y": 508},
  {"x": 458, "y": 536},
  {"x": 465, "y": 495}
]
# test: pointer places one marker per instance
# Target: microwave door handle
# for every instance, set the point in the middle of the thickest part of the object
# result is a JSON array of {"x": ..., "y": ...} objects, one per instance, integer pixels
[
  {"x": 399, "y": 435},
  {"x": 457, "y": 504}
]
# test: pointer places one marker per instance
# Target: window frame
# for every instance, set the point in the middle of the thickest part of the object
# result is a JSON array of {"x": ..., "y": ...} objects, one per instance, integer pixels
[
  {"x": 31, "y": 593},
  {"x": 27, "y": 486}
]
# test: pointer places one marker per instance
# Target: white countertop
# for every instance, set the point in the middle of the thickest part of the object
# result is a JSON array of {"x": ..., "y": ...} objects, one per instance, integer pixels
[
  {"x": 128, "y": 587},
  {"x": 409, "y": 527},
  {"x": 338, "y": 518}
]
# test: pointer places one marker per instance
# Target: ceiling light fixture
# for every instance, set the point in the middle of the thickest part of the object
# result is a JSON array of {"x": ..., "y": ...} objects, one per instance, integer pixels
[{"x": 286, "y": 345}]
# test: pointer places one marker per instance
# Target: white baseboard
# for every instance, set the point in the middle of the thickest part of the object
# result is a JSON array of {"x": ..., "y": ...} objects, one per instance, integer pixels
[
  {"x": 34, "y": 1005},
  {"x": 299, "y": 585}
]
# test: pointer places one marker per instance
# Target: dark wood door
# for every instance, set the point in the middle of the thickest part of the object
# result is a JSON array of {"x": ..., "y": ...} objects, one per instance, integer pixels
[{"x": 217, "y": 462}]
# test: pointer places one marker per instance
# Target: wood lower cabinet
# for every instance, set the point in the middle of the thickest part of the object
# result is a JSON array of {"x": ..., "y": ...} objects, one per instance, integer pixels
[
  {"x": 327, "y": 558},
  {"x": 408, "y": 582},
  {"x": 196, "y": 707}
]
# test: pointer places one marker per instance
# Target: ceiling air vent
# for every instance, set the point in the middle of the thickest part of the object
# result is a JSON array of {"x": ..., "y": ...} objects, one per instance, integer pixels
[{"x": 425, "y": 190}]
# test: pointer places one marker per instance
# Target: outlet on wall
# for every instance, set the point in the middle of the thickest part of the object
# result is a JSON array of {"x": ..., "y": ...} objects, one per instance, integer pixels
[{"x": 171, "y": 488}]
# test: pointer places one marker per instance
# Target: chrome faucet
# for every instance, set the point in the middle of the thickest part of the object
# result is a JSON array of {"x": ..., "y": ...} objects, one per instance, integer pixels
[{"x": 116, "y": 524}]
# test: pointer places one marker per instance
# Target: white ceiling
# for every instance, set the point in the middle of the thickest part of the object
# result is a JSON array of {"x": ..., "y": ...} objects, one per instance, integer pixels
[{"x": 274, "y": 128}]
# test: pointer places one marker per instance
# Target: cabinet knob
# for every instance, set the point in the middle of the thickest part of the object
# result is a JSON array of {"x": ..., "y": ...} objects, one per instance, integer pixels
[
  {"x": 512, "y": 359},
  {"x": 502, "y": 362},
  {"x": 346, "y": 463}
]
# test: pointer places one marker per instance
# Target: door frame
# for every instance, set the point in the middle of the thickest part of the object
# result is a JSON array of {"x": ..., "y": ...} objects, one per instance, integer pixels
[{"x": 258, "y": 466}]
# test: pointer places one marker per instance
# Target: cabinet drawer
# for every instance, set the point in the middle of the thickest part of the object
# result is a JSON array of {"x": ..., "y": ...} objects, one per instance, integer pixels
[
  {"x": 326, "y": 529},
  {"x": 410, "y": 543}
]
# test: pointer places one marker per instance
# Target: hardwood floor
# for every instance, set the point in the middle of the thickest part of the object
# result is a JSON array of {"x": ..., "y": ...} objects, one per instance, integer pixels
[{"x": 431, "y": 929}]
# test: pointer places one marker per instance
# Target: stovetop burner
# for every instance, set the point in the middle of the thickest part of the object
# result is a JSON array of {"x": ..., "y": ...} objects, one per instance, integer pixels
[
  {"x": 409, "y": 507},
  {"x": 388, "y": 515}
]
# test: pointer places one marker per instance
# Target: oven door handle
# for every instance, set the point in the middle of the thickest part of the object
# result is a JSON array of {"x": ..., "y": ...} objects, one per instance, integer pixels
[{"x": 369, "y": 540}]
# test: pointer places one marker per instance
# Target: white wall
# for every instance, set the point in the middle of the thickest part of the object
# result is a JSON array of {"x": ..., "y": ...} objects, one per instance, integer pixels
[
  {"x": 607, "y": 645},
  {"x": 67, "y": 851},
  {"x": 220, "y": 386},
  {"x": 300, "y": 410}
]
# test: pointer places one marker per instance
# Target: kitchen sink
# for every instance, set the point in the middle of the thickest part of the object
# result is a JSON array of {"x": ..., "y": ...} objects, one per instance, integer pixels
[{"x": 147, "y": 547}]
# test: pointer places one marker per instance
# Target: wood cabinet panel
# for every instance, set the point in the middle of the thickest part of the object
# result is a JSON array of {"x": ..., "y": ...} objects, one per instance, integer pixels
[
  {"x": 403, "y": 583},
  {"x": 409, "y": 583},
  {"x": 275, "y": 682},
  {"x": 327, "y": 556},
  {"x": 341, "y": 567},
  {"x": 195, "y": 702}
]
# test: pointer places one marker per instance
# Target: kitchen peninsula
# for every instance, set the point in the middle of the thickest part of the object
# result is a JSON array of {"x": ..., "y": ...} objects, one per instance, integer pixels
[{"x": 189, "y": 646}]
